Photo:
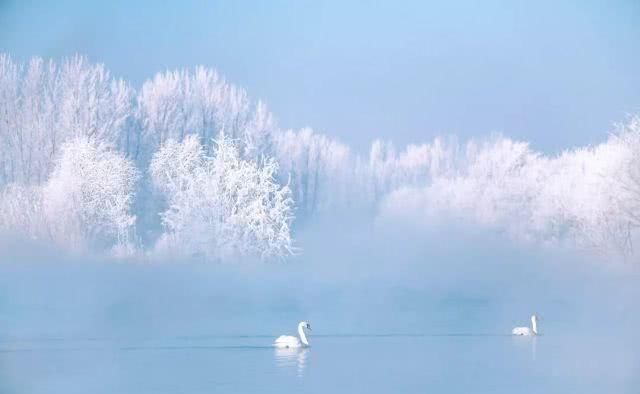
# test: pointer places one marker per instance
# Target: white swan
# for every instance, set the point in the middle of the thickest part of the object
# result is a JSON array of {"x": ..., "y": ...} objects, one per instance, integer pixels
[
  {"x": 526, "y": 330},
  {"x": 288, "y": 341}
]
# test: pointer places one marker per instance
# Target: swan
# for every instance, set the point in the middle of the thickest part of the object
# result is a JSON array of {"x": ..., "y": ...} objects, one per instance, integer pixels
[
  {"x": 289, "y": 341},
  {"x": 526, "y": 330}
]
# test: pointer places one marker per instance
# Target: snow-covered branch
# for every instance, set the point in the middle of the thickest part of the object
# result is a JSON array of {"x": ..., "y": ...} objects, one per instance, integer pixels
[{"x": 221, "y": 205}]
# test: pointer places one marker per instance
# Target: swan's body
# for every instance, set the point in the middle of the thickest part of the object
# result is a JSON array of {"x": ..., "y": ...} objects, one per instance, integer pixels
[
  {"x": 522, "y": 331},
  {"x": 289, "y": 341},
  {"x": 526, "y": 331}
]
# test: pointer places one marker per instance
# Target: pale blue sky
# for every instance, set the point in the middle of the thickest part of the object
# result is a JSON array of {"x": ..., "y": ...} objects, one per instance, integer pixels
[{"x": 556, "y": 73}]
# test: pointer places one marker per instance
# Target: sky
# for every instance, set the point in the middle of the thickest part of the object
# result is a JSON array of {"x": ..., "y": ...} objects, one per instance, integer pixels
[{"x": 554, "y": 73}]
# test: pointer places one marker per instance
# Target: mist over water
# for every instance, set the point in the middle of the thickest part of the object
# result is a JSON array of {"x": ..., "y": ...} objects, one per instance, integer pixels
[{"x": 397, "y": 299}]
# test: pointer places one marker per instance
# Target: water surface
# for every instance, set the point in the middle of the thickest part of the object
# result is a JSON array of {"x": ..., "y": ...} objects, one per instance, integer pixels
[{"x": 443, "y": 363}]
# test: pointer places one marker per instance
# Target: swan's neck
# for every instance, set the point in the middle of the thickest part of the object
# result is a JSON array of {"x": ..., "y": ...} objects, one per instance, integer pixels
[
  {"x": 534, "y": 324},
  {"x": 303, "y": 337}
]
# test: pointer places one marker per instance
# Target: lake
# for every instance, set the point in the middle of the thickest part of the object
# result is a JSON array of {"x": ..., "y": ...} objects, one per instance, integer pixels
[
  {"x": 433, "y": 327},
  {"x": 388, "y": 363}
]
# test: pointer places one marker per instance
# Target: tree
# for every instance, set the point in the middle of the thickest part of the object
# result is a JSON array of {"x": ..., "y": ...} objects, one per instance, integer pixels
[
  {"x": 70, "y": 133},
  {"x": 22, "y": 212},
  {"x": 201, "y": 102},
  {"x": 626, "y": 183},
  {"x": 44, "y": 104},
  {"x": 87, "y": 200},
  {"x": 320, "y": 170},
  {"x": 221, "y": 206}
]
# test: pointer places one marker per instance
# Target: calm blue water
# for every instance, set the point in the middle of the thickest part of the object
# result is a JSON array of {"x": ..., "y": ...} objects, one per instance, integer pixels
[
  {"x": 334, "y": 364},
  {"x": 91, "y": 328}
]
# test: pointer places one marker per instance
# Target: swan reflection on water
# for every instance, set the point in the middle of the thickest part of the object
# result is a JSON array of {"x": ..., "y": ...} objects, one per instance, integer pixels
[
  {"x": 289, "y": 358},
  {"x": 533, "y": 349}
]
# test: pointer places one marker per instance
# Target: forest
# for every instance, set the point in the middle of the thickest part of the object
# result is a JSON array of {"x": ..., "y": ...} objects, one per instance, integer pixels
[{"x": 190, "y": 166}]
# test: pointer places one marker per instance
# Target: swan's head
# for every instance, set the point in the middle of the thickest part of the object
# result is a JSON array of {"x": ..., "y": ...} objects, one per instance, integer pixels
[{"x": 306, "y": 325}]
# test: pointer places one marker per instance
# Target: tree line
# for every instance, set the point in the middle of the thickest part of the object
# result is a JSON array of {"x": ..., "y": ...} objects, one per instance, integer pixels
[{"x": 188, "y": 164}]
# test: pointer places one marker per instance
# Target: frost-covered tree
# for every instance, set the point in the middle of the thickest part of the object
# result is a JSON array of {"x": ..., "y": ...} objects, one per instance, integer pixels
[
  {"x": 319, "y": 168},
  {"x": 258, "y": 134},
  {"x": 577, "y": 201},
  {"x": 87, "y": 200},
  {"x": 201, "y": 102},
  {"x": 490, "y": 183},
  {"x": 582, "y": 197},
  {"x": 221, "y": 206},
  {"x": 22, "y": 213},
  {"x": 626, "y": 183},
  {"x": 389, "y": 169},
  {"x": 94, "y": 105},
  {"x": 207, "y": 189},
  {"x": 9, "y": 77},
  {"x": 43, "y": 104}
]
